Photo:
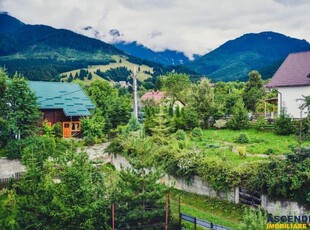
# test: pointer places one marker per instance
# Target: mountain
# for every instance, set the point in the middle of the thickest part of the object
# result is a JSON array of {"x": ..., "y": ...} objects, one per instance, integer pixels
[
  {"x": 236, "y": 58},
  {"x": 41, "y": 52},
  {"x": 166, "y": 58}
]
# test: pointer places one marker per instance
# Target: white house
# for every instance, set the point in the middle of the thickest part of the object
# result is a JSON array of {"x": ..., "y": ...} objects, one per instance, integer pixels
[{"x": 292, "y": 80}]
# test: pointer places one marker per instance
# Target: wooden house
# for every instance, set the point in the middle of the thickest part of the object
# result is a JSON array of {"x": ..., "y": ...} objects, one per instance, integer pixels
[{"x": 62, "y": 102}]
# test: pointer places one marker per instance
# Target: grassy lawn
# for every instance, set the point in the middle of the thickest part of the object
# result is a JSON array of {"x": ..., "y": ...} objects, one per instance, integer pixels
[
  {"x": 124, "y": 63},
  {"x": 260, "y": 142},
  {"x": 216, "y": 211}
]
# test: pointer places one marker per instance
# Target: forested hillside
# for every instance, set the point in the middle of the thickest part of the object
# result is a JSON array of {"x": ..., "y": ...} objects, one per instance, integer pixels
[
  {"x": 236, "y": 58},
  {"x": 41, "y": 52}
]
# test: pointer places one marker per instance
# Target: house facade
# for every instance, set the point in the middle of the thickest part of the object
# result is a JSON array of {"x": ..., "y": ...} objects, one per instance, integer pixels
[
  {"x": 292, "y": 81},
  {"x": 62, "y": 102}
]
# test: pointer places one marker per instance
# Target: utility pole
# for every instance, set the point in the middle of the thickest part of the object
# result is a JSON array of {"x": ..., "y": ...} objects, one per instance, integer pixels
[{"x": 135, "y": 93}]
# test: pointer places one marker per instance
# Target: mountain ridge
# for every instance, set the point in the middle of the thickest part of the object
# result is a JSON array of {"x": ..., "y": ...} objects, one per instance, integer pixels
[{"x": 233, "y": 60}]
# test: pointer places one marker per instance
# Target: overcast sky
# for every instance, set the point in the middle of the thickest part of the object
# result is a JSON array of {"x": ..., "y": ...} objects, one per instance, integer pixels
[{"x": 191, "y": 26}]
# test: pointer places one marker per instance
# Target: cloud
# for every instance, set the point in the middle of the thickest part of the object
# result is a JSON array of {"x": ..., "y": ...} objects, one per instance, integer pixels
[{"x": 195, "y": 26}]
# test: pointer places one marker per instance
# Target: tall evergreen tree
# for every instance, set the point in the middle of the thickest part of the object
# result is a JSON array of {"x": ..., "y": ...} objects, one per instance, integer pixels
[
  {"x": 139, "y": 200},
  {"x": 253, "y": 91},
  {"x": 240, "y": 119}
]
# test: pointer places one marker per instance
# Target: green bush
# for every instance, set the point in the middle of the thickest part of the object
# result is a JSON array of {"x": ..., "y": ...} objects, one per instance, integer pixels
[
  {"x": 284, "y": 125},
  {"x": 197, "y": 132},
  {"x": 180, "y": 135},
  {"x": 253, "y": 220},
  {"x": 269, "y": 152},
  {"x": 243, "y": 139},
  {"x": 261, "y": 123},
  {"x": 14, "y": 148}
]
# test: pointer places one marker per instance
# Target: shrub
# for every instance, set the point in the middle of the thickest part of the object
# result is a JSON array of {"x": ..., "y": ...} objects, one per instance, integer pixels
[
  {"x": 269, "y": 151},
  {"x": 219, "y": 124},
  {"x": 197, "y": 132},
  {"x": 253, "y": 220},
  {"x": 180, "y": 135},
  {"x": 284, "y": 125},
  {"x": 14, "y": 148},
  {"x": 240, "y": 119},
  {"x": 261, "y": 123},
  {"x": 243, "y": 139},
  {"x": 57, "y": 127},
  {"x": 242, "y": 151}
]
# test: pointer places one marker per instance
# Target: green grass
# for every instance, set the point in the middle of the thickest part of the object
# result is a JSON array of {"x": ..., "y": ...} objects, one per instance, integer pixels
[
  {"x": 219, "y": 212},
  {"x": 260, "y": 142},
  {"x": 124, "y": 63}
]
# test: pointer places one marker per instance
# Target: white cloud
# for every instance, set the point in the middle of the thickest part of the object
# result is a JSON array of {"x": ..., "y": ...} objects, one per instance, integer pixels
[{"x": 190, "y": 26}]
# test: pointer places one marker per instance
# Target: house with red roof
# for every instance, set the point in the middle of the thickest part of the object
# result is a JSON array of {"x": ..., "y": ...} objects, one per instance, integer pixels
[
  {"x": 156, "y": 96},
  {"x": 292, "y": 81},
  {"x": 160, "y": 98}
]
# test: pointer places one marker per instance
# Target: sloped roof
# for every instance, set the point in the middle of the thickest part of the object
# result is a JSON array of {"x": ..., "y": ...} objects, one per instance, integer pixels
[
  {"x": 157, "y": 96},
  {"x": 67, "y": 96},
  {"x": 294, "y": 71}
]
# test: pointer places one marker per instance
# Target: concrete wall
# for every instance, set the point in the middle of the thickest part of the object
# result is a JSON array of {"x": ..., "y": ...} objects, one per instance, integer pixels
[
  {"x": 279, "y": 208},
  {"x": 196, "y": 185},
  {"x": 290, "y": 96}
]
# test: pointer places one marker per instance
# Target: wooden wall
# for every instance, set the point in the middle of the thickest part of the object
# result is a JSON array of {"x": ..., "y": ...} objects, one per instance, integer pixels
[{"x": 56, "y": 115}]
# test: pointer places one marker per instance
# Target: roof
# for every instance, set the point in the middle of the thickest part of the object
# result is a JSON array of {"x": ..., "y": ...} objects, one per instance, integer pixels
[
  {"x": 67, "y": 96},
  {"x": 294, "y": 71},
  {"x": 156, "y": 96}
]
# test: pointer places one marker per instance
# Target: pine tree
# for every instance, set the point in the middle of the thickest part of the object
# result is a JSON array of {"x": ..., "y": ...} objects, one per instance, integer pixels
[
  {"x": 139, "y": 200},
  {"x": 240, "y": 119}
]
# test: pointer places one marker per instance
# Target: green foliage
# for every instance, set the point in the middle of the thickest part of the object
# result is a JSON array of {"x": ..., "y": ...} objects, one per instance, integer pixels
[
  {"x": 241, "y": 151},
  {"x": 284, "y": 124},
  {"x": 93, "y": 128},
  {"x": 243, "y": 139},
  {"x": 19, "y": 111},
  {"x": 176, "y": 85},
  {"x": 50, "y": 190},
  {"x": 180, "y": 135},
  {"x": 115, "y": 74},
  {"x": 8, "y": 209},
  {"x": 253, "y": 91},
  {"x": 253, "y": 220},
  {"x": 286, "y": 178},
  {"x": 261, "y": 123},
  {"x": 216, "y": 172},
  {"x": 196, "y": 133},
  {"x": 240, "y": 119},
  {"x": 201, "y": 100},
  {"x": 133, "y": 124},
  {"x": 139, "y": 200},
  {"x": 115, "y": 108}
]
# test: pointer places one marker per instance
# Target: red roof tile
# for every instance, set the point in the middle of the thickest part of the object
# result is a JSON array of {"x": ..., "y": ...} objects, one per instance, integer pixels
[
  {"x": 157, "y": 96},
  {"x": 294, "y": 71}
]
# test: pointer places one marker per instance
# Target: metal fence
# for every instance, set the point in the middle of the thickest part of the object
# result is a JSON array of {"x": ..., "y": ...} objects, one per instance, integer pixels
[
  {"x": 6, "y": 181},
  {"x": 202, "y": 223}
]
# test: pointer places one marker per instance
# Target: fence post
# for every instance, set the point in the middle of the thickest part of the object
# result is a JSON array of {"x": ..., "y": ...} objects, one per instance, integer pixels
[
  {"x": 167, "y": 208},
  {"x": 195, "y": 223},
  {"x": 113, "y": 228},
  {"x": 211, "y": 225},
  {"x": 179, "y": 212}
]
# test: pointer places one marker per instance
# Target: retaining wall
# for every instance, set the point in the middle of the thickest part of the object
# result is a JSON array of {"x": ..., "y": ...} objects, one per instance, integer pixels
[{"x": 196, "y": 185}]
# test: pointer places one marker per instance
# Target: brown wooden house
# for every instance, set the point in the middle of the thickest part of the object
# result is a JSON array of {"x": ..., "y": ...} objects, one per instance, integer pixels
[{"x": 62, "y": 102}]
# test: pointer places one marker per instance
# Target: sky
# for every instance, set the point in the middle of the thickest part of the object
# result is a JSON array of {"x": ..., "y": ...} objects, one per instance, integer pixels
[{"x": 189, "y": 26}]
